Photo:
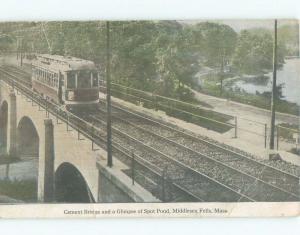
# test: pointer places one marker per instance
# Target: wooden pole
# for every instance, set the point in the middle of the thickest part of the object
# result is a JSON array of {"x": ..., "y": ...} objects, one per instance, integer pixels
[
  {"x": 17, "y": 48},
  {"x": 21, "y": 52},
  {"x": 108, "y": 98},
  {"x": 274, "y": 95}
]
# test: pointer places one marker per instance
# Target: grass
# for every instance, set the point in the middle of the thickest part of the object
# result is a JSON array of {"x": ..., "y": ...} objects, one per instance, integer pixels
[
  {"x": 188, "y": 112},
  {"x": 204, "y": 118},
  {"x": 25, "y": 190}
]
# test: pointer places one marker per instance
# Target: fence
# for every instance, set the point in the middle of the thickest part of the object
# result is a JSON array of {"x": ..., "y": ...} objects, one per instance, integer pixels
[
  {"x": 192, "y": 113},
  {"x": 250, "y": 130},
  {"x": 164, "y": 185}
]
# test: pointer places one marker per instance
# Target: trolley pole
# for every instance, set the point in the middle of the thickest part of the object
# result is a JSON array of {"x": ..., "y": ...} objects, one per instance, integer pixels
[
  {"x": 17, "y": 49},
  {"x": 108, "y": 98},
  {"x": 266, "y": 134},
  {"x": 273, "y": 100},
  {"x": 21, "y": 51},
  {"x": 222, "y": 76}
]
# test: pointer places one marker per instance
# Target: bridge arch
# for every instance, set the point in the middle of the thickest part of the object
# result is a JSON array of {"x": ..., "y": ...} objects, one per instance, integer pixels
[
  {"x": 27, "y": 139},
  {"x": 70, "y": 185},
  {"x": 3, "y": 126}
]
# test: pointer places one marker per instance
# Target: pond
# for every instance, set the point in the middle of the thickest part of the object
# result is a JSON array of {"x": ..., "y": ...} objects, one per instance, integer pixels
[
  {"x": 289, "y": 76},
  {"x": 27, "y": 169}
]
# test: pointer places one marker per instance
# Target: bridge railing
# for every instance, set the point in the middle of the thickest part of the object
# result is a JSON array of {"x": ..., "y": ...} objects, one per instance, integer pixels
[
  {"x": 137, "y": 164},
  {"x": 59, "y": 112}
]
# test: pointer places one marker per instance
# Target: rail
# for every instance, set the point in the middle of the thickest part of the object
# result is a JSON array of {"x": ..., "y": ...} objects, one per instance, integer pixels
[
  {"x": 177, "y": 162},
  {"x": 94, "y": 134},
  {"x": 205, "y": 156},
  {"x": 69, "y": 118},
  {"x": 287, "y": 142},
  {"x": 262, "y": 130},
  {"x": 218, "y": 146},
  {"x": 169, "y": 104}
]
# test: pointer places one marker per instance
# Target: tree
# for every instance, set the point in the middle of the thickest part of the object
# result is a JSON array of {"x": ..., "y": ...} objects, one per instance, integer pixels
[
  {"x": 176, "y": 60},
  {"x": 133, "y": 53},
  {"x": 218, "y": 42},
  {"x": 217, "y": 45},
  {"x": 254, "y": 52},
  {"x": 6, "y": 43},
  {"x": 289, "y": 36}
]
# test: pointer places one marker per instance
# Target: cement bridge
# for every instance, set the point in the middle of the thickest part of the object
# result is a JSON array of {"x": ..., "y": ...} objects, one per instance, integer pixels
[
  {"x": 71, "y": 168},
  {"x": 152, "y": 159}
]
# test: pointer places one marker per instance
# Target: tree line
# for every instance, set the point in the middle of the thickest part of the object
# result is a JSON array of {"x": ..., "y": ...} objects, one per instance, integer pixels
[{"x": 160, "y": 56}]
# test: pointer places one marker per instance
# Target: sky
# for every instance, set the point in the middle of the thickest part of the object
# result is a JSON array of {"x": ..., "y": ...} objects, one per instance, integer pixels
[{"x": 239, "y": 25}]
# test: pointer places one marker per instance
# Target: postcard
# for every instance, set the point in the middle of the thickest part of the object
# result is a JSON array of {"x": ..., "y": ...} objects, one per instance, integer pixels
[{"x": 156, "y": 118}]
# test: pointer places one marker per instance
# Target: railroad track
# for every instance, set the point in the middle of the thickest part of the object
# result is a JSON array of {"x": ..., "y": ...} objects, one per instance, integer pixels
[
  {"x": 189, "y": 179},
  {"x": 250, "y": 180},
  {"x": 259, "y": 181},
  {"x": 141, "y": 119},
  {"x": 147, "y": 174},
  {"x": 20, "y": 75},
  {"x": 246, "y": 163}
]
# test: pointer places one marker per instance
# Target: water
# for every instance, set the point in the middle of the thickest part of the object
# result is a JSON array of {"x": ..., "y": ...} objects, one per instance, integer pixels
[
  {"x": 26, "y": 169},
  {"x": 289, "y": 75}
]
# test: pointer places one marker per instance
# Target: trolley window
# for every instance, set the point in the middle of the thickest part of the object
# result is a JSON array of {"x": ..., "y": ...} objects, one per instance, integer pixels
[
  {"x": 71, "y": 80},
  {"x": 84, "y": 79},
  {"x": 55, "y": 79},
  {"x": 62, "y": 79}
]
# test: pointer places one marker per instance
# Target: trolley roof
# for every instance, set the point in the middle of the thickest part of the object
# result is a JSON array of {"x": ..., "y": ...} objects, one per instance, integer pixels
[{"x": 64, "y": 63}]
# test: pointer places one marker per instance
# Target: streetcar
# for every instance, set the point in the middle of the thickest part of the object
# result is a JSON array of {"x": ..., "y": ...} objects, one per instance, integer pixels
[{"x": 66, "y": 80}]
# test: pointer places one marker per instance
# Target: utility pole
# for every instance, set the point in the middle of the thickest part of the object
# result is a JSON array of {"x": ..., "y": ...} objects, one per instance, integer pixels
[
  {"x": 274, "y": 95},
  {"x": 21, "y": 51},
  {"x": 108, "y": 98},
  {"x": 222, "y": 76},
  {"x": 17, "y": 48}
]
